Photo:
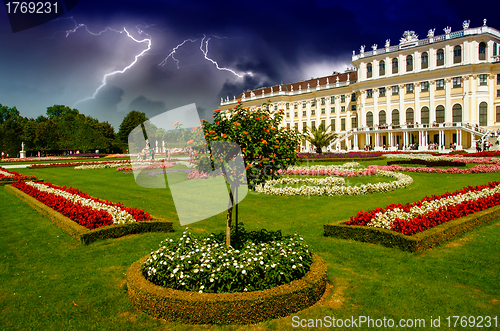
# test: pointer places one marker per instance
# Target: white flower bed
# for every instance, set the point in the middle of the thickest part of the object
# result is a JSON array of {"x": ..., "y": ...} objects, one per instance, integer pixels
[
  {"x": 189, "y": 165},
  {"x": 119, "y": 216},
  {"x": 101, "y": 166},
  {"x": 385, "y": 219},
  {"x": 402, "y": 181},
  {"x": 342, "y": 167},
  {"x": 5, "y": 173}
]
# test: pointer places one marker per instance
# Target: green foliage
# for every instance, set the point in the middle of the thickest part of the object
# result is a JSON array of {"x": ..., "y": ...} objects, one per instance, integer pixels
[
  {"x": 60, "y": 110},
  {"x": 204, "y": 264},
  {"x": 8, "y": 113},
  {"x": 133, "y": 119},
  {"x": 257, "y": 237},
  {"x": 319, "y": 137},
  {"x": 266, "y": 146}
]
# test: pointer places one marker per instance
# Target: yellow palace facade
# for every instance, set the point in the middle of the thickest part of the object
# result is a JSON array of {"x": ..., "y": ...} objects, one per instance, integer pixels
[{"x": 428, "y": 93}]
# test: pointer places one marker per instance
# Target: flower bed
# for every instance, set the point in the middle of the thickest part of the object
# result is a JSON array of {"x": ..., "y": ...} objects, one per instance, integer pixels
[
  {"x": 80, "y": 207},
  {"x": 480, "y": 168},
  {"x": 430, "y": 211},
  {"x": 9, "y": 176},
  {"x": 343, "y": 156},
  {"x": 441, "y": 163},
  {"x": 200, "y": 281},
  {"x": 86, "y": 235}
]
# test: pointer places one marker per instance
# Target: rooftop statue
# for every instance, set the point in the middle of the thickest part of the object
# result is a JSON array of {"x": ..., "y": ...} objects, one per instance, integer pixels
[{"x": 408, "y": 36}]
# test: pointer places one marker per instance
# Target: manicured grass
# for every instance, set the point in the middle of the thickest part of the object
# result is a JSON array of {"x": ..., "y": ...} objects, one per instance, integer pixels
[{"x": 43, "y": 270}]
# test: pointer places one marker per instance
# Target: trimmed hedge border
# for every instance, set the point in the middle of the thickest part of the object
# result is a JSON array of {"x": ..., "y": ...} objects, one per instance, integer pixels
[
  {"x": 87, "y": 236},
  {"x": 428, "y": 163},
  {"x": 304, "y": 160},
  {"x": 418, "y": 242},
  {"x": 226, "y": 308}
]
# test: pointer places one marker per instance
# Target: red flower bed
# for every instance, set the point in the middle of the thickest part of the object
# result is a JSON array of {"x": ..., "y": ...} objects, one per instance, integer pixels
[
  {"x": 14, "y": 176},
  {"x": 83, "y": 215},
  {"x": 436, "y": 216}
]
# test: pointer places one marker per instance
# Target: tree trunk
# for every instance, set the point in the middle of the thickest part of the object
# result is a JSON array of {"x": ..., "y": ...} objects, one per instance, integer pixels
[{"x": 229, "y": 218}]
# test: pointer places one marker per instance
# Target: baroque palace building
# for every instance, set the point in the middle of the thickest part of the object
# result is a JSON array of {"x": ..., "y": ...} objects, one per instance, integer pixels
[{"x": 422, "y": 93}]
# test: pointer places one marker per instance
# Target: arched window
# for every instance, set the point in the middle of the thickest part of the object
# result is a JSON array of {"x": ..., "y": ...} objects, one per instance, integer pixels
[
  {"x": 395, "y": 117},
  {"x": 381, "y": 117},
  {"x": 440, "y": 57},
  {"x": 425, "y": 60},
  {"x": 369, "y": 70},
  {"x": 457, "y": 54},
  {"x": 409, "y": 115},
  {"x": 457, "y": 113},
  {"x": 369, "y": 118},
  {"x": 409, "y": 63},
  {"x": 440, "y": 114},
  {"x": 483, "y": 114},
  {"x": 424, "y": 115},
  {"x": 395, "y": 66},
  {"x": 381, "y": 68},
  {"x": 482, "y": 51},
  {"x": 495, "y": 48}
]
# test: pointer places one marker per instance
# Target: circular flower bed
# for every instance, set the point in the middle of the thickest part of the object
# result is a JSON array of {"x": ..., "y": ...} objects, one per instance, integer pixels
[
  {"x": 268, "y": 279},
  {"x": 330, "y": 186}
]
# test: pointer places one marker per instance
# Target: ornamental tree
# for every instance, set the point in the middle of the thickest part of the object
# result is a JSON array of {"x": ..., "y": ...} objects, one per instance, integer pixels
[
  {"x": 266, "y": 147},
  {"x": 319, "y": 137}
]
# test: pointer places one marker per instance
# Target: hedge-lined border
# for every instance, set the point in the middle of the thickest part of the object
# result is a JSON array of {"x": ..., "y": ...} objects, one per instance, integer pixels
[
  {"x": 9, "y": 182},
  {"x": 418, "y": 242},
  {"x": 347, "y": 159},
  {"x": 87, "y": 236},
  {"x": 226, "y": 308}
]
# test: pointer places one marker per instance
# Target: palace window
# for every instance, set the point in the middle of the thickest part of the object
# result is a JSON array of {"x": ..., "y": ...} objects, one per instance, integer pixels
[
  {"x": 395, "y": 90},
  {"x": 296, "y": 114},
  {"x": 313, "y": 112},
  {"x": 395, "y": 117},
  {"x": 457, "y": 54},
  {"x": 482, "y": 51},
  {"x": 354, "y": 121},
  {"x": 304, "y": 125},
  {"x": 440, "y": 84},
  {"x": 369, "y": 70},
  {"x": 409, "y": 63},
  {"x": 332, "y": 99},
  {"x": 342, "y": 98},
  {"x": 342, "y": 124},
  {"x": 275, "y": 106},
  {"x": 483, "y": 114},
  {"x": 323, "y": 111},
  {"x": 288, "y": 126},
  {"x": 457, "y": 113},
  {"x": 313, "y": 125},
  {"x": 498, "y": 114},
  {"x": 369, "y": 118},
  {"x": 323, "y": 124},
  {"x": 424, "y": 115},
  {"x": 483, "y": 79},
  {"x": 498, "y": 79},
  {"x": 353, "y": 107},
  {"x": 440, "y": 114},
  {"x": 495, "y": 49},
  {"x": 342, "y": 109},
  {"x": 303, "y": 104},
  {"x": 395, "y": 66},
  {"x": 409, "y": 115},
  {"x": 409, "y": 88},
  {"x": 332, "y": 110},
  {"x": 353, "y": 97},
  {"x": 457, "y": 82},
  {"x": 381, "y": 117},
  {"x": 333, "y": 128},
  {"x": 425, "y": 60},
  {"x": 381, "y": 68},
  {"x": 440, "y": 57},
  {"x": 381, "y": 92},
  {"x": 296, "y": 125},
  {"x": 498, "y": 93},
  {"x": 322, "y": 101},
  {"x": 369, "y": 93},
  {"x": 296, "y": 106},
  {"x": 287, "y": 114},
  {"x": 313, "y": 103},
  {"x": 287, "y": 106},
  {"x": 424, "y": 86},
  {"x": 304, "y": 113}
]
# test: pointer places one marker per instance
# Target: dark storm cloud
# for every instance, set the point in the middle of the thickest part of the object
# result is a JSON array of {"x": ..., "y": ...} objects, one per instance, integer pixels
[{"x": 149, "y": 107}]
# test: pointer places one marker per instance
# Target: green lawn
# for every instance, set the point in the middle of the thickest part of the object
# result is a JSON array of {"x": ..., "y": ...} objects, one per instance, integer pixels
[{"x": 49, "y": 281}]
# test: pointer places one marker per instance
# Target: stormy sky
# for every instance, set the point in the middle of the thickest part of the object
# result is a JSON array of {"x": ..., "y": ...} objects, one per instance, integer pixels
[{"x": 260, "y": 43}]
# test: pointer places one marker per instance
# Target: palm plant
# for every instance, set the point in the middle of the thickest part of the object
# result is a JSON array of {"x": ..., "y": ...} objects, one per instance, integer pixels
[{"x": 319, "y": 137}]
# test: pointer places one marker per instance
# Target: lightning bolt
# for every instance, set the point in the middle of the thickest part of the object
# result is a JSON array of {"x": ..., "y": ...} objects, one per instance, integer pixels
[
  {"x": 204, "y": 51},
  {"x": 124, "y": 30}
]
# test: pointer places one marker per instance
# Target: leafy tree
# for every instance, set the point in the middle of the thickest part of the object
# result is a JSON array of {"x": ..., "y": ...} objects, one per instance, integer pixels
[
  {"x": 319, "y": 137},
  {"x": 133, "y": 119},
  {"x": 6, "y": 113},
  {"x": 60, "y": 110},
  {"x": 266, "y": 147}
]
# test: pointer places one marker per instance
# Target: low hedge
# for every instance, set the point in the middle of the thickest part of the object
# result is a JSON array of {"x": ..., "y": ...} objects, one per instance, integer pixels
[
  {"x": 417, "y": 242},
  {"x": 226, "y": 308},
  {"x": 428, "y": 163},
  {"x": 87, "y": 236},
  {"x": 354, "y": 159},
  {"x": 5, "y": 181}
]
